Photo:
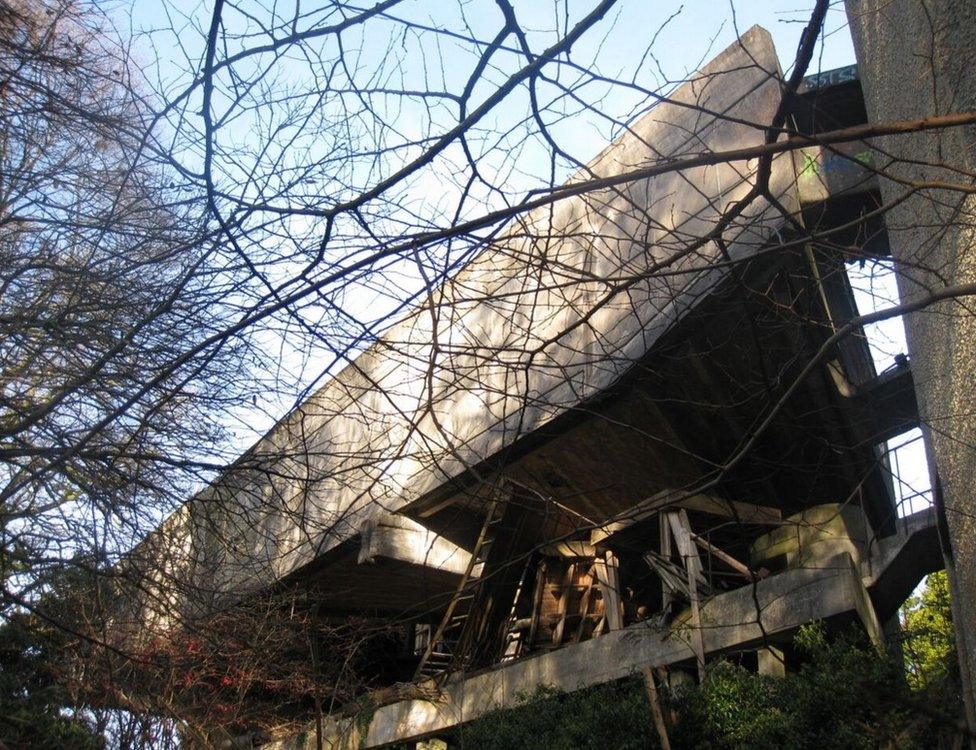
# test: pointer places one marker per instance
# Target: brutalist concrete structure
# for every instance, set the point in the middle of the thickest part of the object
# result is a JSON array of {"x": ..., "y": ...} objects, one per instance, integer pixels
[
  {"x": 916, "y": 60},
  {"x": 629, "y": 434}
]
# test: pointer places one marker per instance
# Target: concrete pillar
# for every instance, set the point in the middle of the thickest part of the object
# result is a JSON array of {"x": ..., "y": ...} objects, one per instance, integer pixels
[
  {"x": 681, "y": 679},
  {"x": 771, "y": 662},
  {"x": 916, "y": 58},
  {"x": 893, "y": 638}
]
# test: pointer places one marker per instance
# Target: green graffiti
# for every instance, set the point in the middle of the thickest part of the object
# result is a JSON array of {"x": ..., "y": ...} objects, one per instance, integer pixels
[{"x": 810, "y": 164}]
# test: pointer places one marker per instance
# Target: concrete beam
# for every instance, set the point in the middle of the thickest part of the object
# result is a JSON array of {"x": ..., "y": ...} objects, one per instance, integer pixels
[
  {"x": 896, "y": 564},
  {"x": 396, "y": 537},
  {"x": 737, "y": 619},
  {"x": 772, "y": 663},
  {"x": 780, "y": 603},
  {"x": 741, "y": 618}
]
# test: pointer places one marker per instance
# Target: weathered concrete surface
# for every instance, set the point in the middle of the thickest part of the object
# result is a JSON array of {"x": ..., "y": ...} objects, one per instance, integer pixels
[
  {"x": 399, "y": 538},
  {"x": 552, "y": 312},
  {"x": 738, "y": 618},
  {"x": 823, "y": 173},
  {"x": 817, "y": 533},
  {"x": 895, "y": 565},
  {"x": 916, "y": 59}
]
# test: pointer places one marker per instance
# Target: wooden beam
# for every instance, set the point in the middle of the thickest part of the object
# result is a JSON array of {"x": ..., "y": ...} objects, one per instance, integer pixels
[
  {"x": 608, "y": 576},
  {"x": 672, "y": 582},
  {"x": 681, "y": 529},
  {"x": 655, "y": 700},
  {"x": 567, "y": 587},
  {"x": 735, "y": 510},
  {"x": 540, "y": 590},
  {"x": 584, "y": 607},
  {"x": 725, "y": 557},
  {"x": 568, "y": 549},
  {"x": 702, "y": 503},
  {"x": 667, "y": 592}
]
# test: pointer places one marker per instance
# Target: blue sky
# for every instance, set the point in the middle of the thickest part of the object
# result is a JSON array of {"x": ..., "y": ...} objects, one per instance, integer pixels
[{"x": 685, "y": 34}]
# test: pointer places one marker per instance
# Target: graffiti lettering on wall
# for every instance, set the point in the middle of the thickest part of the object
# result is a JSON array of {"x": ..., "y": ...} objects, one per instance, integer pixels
[
  {"x": 836, "y": 168},
  {"x": 830, "y": 78}
]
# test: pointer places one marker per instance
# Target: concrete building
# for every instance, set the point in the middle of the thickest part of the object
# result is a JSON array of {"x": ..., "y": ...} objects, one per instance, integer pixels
[
  {"x": 927, "y": 49},
  {"x": 630, "y": 433}
]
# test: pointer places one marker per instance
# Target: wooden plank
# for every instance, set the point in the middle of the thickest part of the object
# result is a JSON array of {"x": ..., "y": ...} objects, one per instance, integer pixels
[
  {"x": 608, "y": 575},
  {"x": 667, "y": 591},
  {"x": 681, "y": 529},
  {"x": 725, "y": 557},
  {"x": 584, "y": 606},
  {"x": 540, "y": 590},
  {"x": 646, "y": 509},
  {"x": 671, "y": 583},
  {"x": 557, "y": 632}
]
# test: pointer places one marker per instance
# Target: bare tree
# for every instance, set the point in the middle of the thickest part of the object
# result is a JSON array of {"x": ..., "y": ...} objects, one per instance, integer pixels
[
  {"x": 388, "y": 229},
  {"x": 109, "y": 273}
]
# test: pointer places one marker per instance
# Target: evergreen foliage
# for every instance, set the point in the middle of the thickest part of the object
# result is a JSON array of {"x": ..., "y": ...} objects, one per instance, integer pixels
[
  {"x": 930, "y": 644},
  {"x": 33, "y": 703},
  {"x": 845, "y": 696},
  {"x": 613, "y": 715}
]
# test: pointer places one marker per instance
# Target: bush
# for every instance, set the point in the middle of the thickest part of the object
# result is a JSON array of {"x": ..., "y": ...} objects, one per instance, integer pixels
[
  {"x": 845, "y": 696},
  {"x": 614, "y": 715}
]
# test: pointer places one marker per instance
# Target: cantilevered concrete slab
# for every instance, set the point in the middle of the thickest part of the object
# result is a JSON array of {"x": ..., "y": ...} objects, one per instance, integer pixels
[
  {"x": 396, "y": 537},
  {"x": 553, "y": 311},
  {"x": 394, "y": 568}
]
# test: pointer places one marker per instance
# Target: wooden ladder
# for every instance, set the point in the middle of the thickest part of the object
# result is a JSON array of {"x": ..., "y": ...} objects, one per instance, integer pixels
[{"x": 446, "y": 649}]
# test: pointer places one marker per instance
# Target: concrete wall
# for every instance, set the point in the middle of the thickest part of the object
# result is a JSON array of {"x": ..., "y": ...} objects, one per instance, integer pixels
[{"x": 917, "y": 58}]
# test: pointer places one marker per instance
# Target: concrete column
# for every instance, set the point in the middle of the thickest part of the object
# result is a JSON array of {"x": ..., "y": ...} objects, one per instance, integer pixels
[
  {"x": 771, "y": 662},
  {"x": 917, "y": 58}
]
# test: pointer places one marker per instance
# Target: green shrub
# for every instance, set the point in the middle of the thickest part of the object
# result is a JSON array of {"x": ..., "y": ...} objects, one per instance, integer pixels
[
  {"x": 614, "y": 715},
  {"x": 845, "y": 696}
]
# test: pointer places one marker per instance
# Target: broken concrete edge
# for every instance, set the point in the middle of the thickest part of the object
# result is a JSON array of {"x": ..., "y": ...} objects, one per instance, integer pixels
[
  {"x": 740, "y": 618},
  {"x": 396, "y": 537}
]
